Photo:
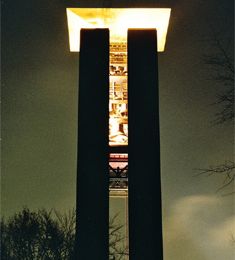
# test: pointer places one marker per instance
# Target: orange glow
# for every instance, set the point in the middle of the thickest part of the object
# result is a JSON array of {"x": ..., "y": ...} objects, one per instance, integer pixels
[
  {"x": 118, "y": 20},
  {"x": 118, "y": 97}
]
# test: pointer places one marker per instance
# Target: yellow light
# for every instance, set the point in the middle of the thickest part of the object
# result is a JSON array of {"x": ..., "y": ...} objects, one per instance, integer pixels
[{"x": 118, "y": 20}]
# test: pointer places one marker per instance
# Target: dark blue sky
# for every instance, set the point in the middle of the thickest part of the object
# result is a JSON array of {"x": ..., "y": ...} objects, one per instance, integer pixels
[{"x": 39, "y": 116}]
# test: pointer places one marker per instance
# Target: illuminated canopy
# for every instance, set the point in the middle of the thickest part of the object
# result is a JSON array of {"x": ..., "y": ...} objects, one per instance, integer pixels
[{"x": 118, "y": 20}]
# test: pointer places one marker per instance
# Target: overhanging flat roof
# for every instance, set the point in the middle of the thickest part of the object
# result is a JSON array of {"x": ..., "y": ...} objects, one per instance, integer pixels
[{"x": 118, "y": 20}]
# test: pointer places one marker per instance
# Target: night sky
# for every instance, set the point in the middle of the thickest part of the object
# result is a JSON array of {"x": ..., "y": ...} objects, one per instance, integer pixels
[{"x": 39, "y": 121}]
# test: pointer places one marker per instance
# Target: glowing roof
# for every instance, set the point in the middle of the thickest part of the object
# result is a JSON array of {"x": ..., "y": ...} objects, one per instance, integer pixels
[{"x": 118, "y": 20}]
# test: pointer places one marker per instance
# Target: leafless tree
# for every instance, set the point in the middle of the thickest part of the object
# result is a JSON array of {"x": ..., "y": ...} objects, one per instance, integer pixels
[
  {"x": 41, "y": 234},
  {"x": 221, "y": 63},
  {"x": 117, "y": 248}
]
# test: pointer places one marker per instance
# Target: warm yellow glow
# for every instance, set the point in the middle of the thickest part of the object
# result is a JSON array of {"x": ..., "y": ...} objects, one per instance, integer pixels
[{"x": 118, "y": 20}]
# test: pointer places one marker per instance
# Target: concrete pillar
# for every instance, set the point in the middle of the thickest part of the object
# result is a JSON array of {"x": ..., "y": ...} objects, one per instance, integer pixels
[
  {"x": 145, "y": 222},
  {"x": 93, "y": 127}
]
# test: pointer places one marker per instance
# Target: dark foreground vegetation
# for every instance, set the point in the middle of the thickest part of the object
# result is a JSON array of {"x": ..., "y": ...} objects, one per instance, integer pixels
[{"x": 34, "y": 235}]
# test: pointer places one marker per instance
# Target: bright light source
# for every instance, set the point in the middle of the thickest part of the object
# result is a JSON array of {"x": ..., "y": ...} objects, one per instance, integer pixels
[{"x": 118, "y": 20}]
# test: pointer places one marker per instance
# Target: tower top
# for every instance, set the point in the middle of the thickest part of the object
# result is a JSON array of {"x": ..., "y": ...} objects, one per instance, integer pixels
[{"x": 118, "y": 20}]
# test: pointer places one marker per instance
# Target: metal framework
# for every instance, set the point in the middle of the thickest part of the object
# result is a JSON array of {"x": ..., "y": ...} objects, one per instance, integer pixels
[
  {"x": 118, "y": 171},
  {"x": 118, "y": 177}
]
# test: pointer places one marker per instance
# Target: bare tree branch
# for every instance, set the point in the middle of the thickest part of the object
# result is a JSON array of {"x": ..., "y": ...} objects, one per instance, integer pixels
[
  {"x": 221, "y": 63},
  {"x": 50, "y": 235},
  {"x": 226, "y": 169}
]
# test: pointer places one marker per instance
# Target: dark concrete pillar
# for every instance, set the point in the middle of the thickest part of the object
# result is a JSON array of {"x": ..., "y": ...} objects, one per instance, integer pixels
[
  {"x": 93, "y": 119},
  {"x": 145, "y": 222}
]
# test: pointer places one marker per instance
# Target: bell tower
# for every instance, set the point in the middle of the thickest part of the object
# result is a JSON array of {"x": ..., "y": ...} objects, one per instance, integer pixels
[{"x": 118, "y": 125}]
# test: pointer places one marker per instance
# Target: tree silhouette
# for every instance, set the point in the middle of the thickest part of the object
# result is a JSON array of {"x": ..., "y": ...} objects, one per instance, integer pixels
[
  {"x": 117, "y": 249},
  {"x": 221, "y": 63},
  {"x": 46, "y": 235}
]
